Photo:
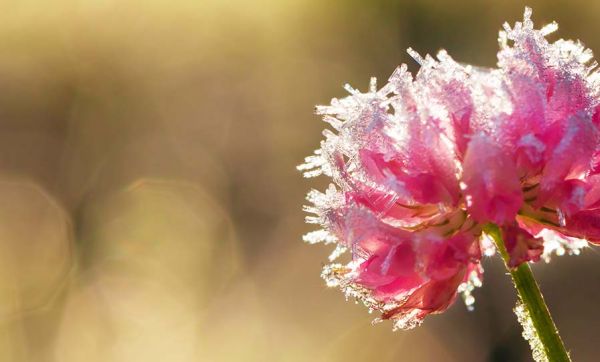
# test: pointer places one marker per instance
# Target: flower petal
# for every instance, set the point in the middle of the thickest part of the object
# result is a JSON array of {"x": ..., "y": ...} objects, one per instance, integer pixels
[
  {"x": 521, "y": 245},
  {"x": 492, "y": 188},
  {"x": 584, "y": 224}
]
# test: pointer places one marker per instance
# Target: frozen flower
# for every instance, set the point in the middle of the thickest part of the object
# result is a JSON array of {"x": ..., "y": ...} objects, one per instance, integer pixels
[{"x": 420, "y": 165}]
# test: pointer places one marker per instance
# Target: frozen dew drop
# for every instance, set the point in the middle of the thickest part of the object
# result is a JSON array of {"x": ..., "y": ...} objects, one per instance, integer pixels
[{"x": 529, "y": 333}]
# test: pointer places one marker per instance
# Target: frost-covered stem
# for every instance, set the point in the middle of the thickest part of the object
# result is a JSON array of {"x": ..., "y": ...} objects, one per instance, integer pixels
[{"x": 531, "y": 297}]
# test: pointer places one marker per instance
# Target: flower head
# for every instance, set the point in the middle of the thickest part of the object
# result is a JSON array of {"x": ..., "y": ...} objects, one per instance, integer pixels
[{"x": 421, "y": 164}]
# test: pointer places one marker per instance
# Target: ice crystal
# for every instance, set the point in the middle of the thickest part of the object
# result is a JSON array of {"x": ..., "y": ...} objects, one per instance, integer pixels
[
  {"x": 419, "y": 164},
  {"x": 530, "y": 333},
  {"x": 557, "y": 244},
  {"x": 467, "y": 287}
]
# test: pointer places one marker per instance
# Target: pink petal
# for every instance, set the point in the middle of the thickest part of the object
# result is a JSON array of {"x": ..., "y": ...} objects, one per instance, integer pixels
[
  {"x": 492, "y": 186},
  {"x": 569, "y": 196},
  {"x": 584, "y": 225},
  {"x": 422, "y": 186},
  {"x": 572, "y": 156},
  {"x": 430, "y": 298},
  {"x": 521, "y": 245}
]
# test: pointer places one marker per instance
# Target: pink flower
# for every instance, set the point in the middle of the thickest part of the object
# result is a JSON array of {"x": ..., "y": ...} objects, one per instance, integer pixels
[{"x": 421, "y": 164}]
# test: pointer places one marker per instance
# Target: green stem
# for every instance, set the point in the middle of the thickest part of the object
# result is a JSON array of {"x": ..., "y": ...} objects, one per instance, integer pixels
[{"x": 531, "y": 297}]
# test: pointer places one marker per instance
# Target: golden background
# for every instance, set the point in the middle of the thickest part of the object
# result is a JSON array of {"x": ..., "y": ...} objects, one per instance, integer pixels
[{"x": 150, "y": 209}]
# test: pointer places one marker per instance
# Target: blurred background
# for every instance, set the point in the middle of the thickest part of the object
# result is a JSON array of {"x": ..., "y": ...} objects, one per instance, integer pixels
[{"x": 150, "y": 209}]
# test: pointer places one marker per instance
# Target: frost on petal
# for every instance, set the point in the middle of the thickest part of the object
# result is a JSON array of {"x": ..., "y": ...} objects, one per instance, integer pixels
[
  {"x": 529, "y": 155},
  {"x": 447, "y": 90},
  {"x": 554, "y": 92},
  {"x": 430, "y": 162},
  {"x": 324, "y": 211},
  {"x": 492, "y": 187},
  {"x": 568, "y": 198},
  {"x": 571, "y": 157},
  {"x": 357, "y": 121},
  {"x": 557, "y": 78},
  {"x": 398, "y": 139},
  {"x": 405, "y": 275},
  {"x": 431, "y": 119},
  {"x": 423, "y": 186},
  {"x": 432, "y": 297}
]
